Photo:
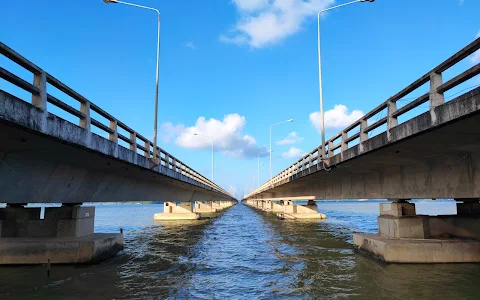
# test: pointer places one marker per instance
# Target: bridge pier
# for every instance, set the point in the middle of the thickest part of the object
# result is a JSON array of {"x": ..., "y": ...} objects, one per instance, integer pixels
[
  {"x": 293, "y": 211},
  {"x": 64, "y": 236},
  {"x": 204, "y": 207},
  {"x": 405, "y": 237},
  {"x": 177, "y": 211},
  {"x": 286, "y": 209},
  {"x": 188, "y": 211}
]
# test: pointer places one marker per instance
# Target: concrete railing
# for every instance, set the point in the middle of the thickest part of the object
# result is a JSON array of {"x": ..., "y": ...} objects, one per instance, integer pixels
[
  {"x": 341, "y": 140},
  {"x": 136, "y": 141}
]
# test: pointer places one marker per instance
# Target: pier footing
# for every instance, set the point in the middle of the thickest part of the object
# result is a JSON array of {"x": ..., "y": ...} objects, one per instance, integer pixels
[
  {"x": 294, "y": 211},
  {"x": 448, "y": 250},
  {"x": 64, "y": 235},
  {"x": 87, "y": 249},
  {"x": 176, "y": 211},
  {"x": 405, "y": 237},
  {"x": 287, "y": 210}
]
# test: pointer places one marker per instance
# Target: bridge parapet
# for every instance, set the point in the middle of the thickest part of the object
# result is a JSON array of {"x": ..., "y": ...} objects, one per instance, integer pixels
[
  {"x": 41, "y": 100},
  {"x": 357, "y": 132}
]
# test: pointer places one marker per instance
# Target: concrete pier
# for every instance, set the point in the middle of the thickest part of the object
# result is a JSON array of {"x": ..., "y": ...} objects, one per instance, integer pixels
[
  {"x": 64, "y": 236},
  {"x": 177, "y": 211},
  {"x": 405, "y": 237},
  {"x": 294, "y": 211},
  {"x": 189, "y": 211},
  {"x": 286, "y": 209}
]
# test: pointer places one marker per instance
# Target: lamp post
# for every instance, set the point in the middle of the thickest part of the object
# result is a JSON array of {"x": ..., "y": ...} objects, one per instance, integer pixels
[
  {"x": 213, "y": 155},
  {"x": 289, "y": 120},
  {"x": 155, "y": 151},
  {"x": 322, "y": 120},
  {"x": 259, "y": 166}
]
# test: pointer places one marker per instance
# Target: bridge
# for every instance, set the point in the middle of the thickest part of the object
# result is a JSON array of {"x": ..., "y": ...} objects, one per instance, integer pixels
[
  {"x": 46, "y": 159},
  {"x": 433, "y": 155}
]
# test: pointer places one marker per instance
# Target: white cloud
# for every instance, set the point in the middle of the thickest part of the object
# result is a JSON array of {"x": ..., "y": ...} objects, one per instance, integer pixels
[
  {"x": 267, "y": 22},
  {"x": 337, "y": 118},
  {"x": 460, "y": 2},
  {"x": 227, "y": 133},
  {"x": 250, "y": 5},
  {"x": 475, "y": 58},
  {"x": 293, "y": 153},
  {"x": 170, "y": 131},
  {"x": 191, "y": 45},
  {"x": 291, "y": 138}
]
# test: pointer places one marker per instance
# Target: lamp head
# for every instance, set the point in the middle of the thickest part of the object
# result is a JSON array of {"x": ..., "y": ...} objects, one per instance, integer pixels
[
  {"x": 195, "y": 134},
  {"x": 368, "y": 0},
  {"x": 110, "y": 1}
]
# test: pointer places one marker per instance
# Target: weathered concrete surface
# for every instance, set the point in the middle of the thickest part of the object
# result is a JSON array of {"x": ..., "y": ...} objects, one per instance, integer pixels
[
  {"x": 455, "y": 226},
  {"x": 65, "y": 235},
  {"x": 65, "y": 221},
  {"x": 415, "y": 227},
  {"x": 423, "y": 159},
  {"x": 66, "y": 250},
  {"x": 418, "y": 250},
  {"x": 68, "y": 164},
  {"x": 405, "y": 237}
]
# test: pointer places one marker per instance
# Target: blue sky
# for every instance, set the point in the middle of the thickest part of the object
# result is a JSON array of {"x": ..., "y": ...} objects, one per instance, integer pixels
[{"x": 232, "y": 68}]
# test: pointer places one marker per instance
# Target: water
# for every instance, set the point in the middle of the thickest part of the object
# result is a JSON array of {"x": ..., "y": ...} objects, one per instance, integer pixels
[{"x": 244, "y": 254}]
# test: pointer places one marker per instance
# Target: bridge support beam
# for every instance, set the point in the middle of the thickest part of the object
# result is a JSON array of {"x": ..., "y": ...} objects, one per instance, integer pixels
[
  {"x": 405, "y": 237},
  {"x": 177, "y": 211},
  {"x": 64, "y": 236}
]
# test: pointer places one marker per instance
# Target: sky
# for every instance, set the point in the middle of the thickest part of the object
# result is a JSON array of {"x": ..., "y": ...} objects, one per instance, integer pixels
[{"x": 231, "y": 68}]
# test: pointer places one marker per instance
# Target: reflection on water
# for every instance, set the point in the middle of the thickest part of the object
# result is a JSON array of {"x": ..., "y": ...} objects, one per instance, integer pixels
[{"x": 244, "y": 254}]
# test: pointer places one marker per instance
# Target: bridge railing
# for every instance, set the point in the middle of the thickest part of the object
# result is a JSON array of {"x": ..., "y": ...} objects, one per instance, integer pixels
[
  {"x": 341, "y": 141},
  {"x": 40, "y": 98}
]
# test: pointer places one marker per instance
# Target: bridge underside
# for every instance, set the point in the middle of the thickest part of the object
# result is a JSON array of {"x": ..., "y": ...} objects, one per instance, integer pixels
[
  {"x": 41, "y": 168},
  {"x": 36, "y": 168},
  {"x": 441, "y": 162}
]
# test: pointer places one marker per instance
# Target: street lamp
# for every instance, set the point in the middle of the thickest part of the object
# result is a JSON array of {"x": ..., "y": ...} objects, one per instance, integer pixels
[
  {"x": 289, "y": 120},
  {"x": 259, "y": 165},
  {"x": 213, "y": 156},
  {"x": 155, "y": 151},
  {"x": 322, "y": 119}
]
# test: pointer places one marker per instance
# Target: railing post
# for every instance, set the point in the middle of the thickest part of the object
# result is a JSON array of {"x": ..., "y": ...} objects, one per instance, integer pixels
[
  {"x": 167, "y": 160},
  {"x": 133, "y": 145},
  {"x": 391, "y": 120},
  {"x": 40, "y": 100},
  {"x": 133, "y": 141},
  {"x": 85, "y": 108},
  {"x": 344, "y": 144},
  {"x": 330, "y": 151},
  {"x": 310, "y": 160},
  {"x": 114, "y": 136},
  {"x": 147, "y": 147},
  {"x": 363, "y": 134},
  {"x": 436, "y": 98}
]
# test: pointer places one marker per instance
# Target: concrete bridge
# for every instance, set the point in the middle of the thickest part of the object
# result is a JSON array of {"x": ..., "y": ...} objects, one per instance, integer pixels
[
  {"x": 46, "y": 159},
  {"x": 433, "y": 155}
]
